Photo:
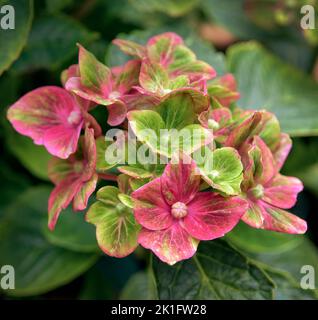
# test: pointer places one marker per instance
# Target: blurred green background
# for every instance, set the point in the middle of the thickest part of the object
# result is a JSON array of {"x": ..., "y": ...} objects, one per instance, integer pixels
[{"x": 261, "y": 42}]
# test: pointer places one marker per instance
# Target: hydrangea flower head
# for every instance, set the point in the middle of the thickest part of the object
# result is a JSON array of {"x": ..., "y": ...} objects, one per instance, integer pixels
[{"x": 229, "y": 159}]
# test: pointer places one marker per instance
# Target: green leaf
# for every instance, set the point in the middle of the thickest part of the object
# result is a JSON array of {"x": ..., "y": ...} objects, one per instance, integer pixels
[
  {"x": 106, "y": 279},
  {"x": 52, "y": 42},
  {"x": 116, "y": 228},
  {"x": 262, "y": 241},
  {"x": 34, "y": 158},
  {"x": 216, "y": 272},
  {"x": 138, "y": 287},
  {"x": 305, "y": 253},
  {"x": 12, "y": 183},
  {"x": 39, "y": 265},
  {"x": 309, "y": 176},
  {"x": 83, "y": 240},
  {"x": 222, "y": 169},
  {"x": 12, "y": 41},
  {"x": 174, "y": 8},
  {"x": 58, "y": 5},
  {"x": 302, "y": 163},
  {"x": 287, "y": 287},
  {"x": 275, "y": 86},
  {"x": 231, "y": 15},
  {"x": 281, "y": 256}
]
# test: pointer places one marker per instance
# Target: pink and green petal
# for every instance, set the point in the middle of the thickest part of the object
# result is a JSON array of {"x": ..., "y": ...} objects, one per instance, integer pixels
[
  {"x": 211, "y": 216},
  {"x": 254, "y": 215},
  {"x": 117, "y": 113},
  {"x": 130, "y": 48},
  {"x": 160, "y": 48},
  {"x": 94, "y": 75},
  {"x": 282, "y": 191},
  {"x": 96, "y": 81},
  {"x": 60, "y": 198},
  {"x": 150, "y": 207},
  {"x": 116, "y": 228},
  {"x": 269, "y": 130},
  {"x": 89, "y": 154},
  {"x": 184, "y": 62},
  {"x": 180, "y": 181},
  {"x": 59, "y": 169},
  {"x": 75, "y": 85},
  {"x": 61, "y": 141},
  {"x": 224, "y": 90},
  {"x": 266, "y": 166},
  {"x": 169, "y": 245},
  {"x": 279, "y": 220},
  {"x": 251, "y": 159},
  {"x": 154, "y": 78},
  {"x": 84, "y": 192},
  {"x": 70, "y": 72},
  {"x": 282, "y": 151},
  {"x": 51, "y": 117},
  {"x": 244, "y": 130},
  {"x": 127, "y": 76}
]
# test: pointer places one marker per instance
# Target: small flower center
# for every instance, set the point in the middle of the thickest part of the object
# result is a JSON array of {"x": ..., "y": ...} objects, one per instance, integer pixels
[
  {"x": 212, "y": 124},
  {"x": 179, "y": 210},
  {"x": 214, "y": 174},
  {"x": 78, "y": 167},
  {"x": 74, "y": 117},
  {"x": 166, "y": 91},
  {"x": 258, "y": 191},
  {"x": 114, "y": 95}
]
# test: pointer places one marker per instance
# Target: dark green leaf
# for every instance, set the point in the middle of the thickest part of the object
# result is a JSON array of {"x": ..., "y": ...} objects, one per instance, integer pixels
[
  {"x": 267, "y": 82},
  {"x": 52, "y": 42},
  {"x": 12, "y": 41},
  {"x": 83, "y": 240},
  {"x": 32, "y": 157},
  {"x": 173, "y": 8},
  {"x": 259, "y": 241},
  {"x": 138, "y": 287},
  {"x": 305, "y": 253},
  {"x": 39, "y": 266},
  {"x": 287, "y": 287},
  {"x": 216, "y": 272}
]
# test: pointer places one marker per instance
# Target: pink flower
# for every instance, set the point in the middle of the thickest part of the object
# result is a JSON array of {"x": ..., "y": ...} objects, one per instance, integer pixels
[
  {"x": 167, "y": 65},
  {"x": 219, "y": 120},
  {"x": 95, "y": 82},
  {"x": 75, "y": 178},
  {"x": 267, "y": 191},
  {"x": 52, "y": 117},
  {"x": 226, "y": 92},
  {"x": 175, "y": 215}
]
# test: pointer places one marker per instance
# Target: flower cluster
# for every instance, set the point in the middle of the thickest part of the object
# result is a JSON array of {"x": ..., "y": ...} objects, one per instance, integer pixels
[{"x": 225, "y": 170}]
